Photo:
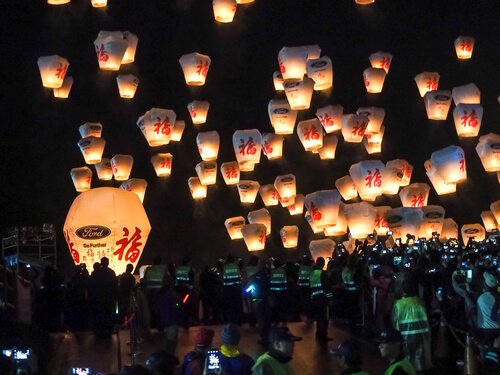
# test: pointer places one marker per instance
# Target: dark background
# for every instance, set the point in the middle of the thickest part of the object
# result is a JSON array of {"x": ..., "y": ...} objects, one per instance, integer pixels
[{"x": 40, "y": 133}]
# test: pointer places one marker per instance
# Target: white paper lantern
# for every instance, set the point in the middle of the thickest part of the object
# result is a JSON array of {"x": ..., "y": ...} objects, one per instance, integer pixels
[
  {"x": 156, "y": 126},
  {"x": 244, "y": 1},
  {"x": 437, "y": 181},
  {"x": 367, "y": 177},
  {"x": 381, "y": 226},
  {"x": 269, "y": 195},
  {"x": 405, "y": 169},
  {"x": 321, "y": 248},
  {"x": 58, "y": 2},
  {"x": 364, "y": 2},
  {"x": 162, "y": 163},
  {"x": 278, "y": 81},
  {"x": 198, "y": 111},
  {"x": 474, "y": 231},
  {"x": 122, "y": 166},
  {"x": 450, "y": 230},
  {"x": 404, "y": 220},
  {"x": 292, "y": 62},
  {"x": 135, "y": 185},
  {"x": 272, "y": 145},
  {"x": 490, "y": 224},
  {"x": 432, "y": 221},
  {"x": 52, "y": 70},
  {"x": 375, "y": 116},
  {"x": 464, "y": 46},
  {"x": 354, "y": 127},
  {"x": 391, "y": 180},
  {"x": 311, "y": 223},
  {"x": 99, "y": 3},
  {"x": 230, "y": 172},
  {"x": 381, "y": 60},
  {"x": 327, "y": 151},
  {"x": 427, "y": 81},
  {"x": 261, "y": 216},
  {"x": 323, "y": 207},
  {"x": 373, "y": 141},
  {"x": 224, "y": 10},
  {"x": 346, "y": 187},
  {"x": 90, "y": 129},
  {"x": 82, "y": 178},
  {"x": 415, "y": 195},
  {"x": 360, "y": 219},
  {"x": 132, "y": 41},
  {"x": 437, "y": 104},
  {"x": 92, "y": 149},
  {"x": 495, "y": 208},
  {"x": 450, "y": 164},
  {"x": 310, "y": 134},
  {"x": 104, "y": 170},
  {"x": 285, "y": 202},
  {"x": 127, "y": 85},
  {"x": 197, "y": 189},
  {"x": 234, "y": 226},
  {"x": 466, "y": 94},
  {"x": 282, "y": 117},
  {"x": 374, "y": 79},
  {"x": 298, "y": 205},
  {"x": 110, "y": 48},
  {"x": 208, "y": 145},
  {"x": 340, "y": 228},
  {"x": 195, "y": 67},
  {"x": 254, "y": 236},
  {"x": 247, "y": 145},
  {"x": 299, "y": 94},
  {"x": 207, "y": 172},
  {"x": 468, "y": 118},
  {"x": 321, "y": 72},
  {"x": 248, "y": 190},
  {"x": 63, "y": 91},
  {"x": 488, "y": 150},
  {"x": 330, "y": 117},
  {"x": 286, "y": 186},
  {"x": 289, "y": 236},
  {"x": 177, "y": 130}
]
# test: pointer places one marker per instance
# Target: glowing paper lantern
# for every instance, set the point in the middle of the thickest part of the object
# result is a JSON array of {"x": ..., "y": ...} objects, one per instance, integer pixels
[
  {"x": 110, "y": 48},
  {"x": 104, "y": 170},
  {"x": 346, "y": 187},
  {"x": 489, "y": 221},
  {"x": 82, "y": 178},
  {"x": 195, "y": 67},
  {"x": 177, "y": 130},
  {"x": 432, "y": 221},
  {"x": 289, "y": 236},
  {"x": 135, "y": 185},
  {"x": 403, "y": 221},
  {"x": 360, "y": 219},
  {"x": 298, "y": 205},
  {"x": 207, "y": 172},
  {"x": 310, "y": 134},
  {"x": 381, "y": 60},
  {"x": 282, "y": 117},
  {"x": 330, "y": 117},
  {"x": 92, "y": 149},
  {"x": 198, "y": 111},
  {"x": 364, "y": 2},
  {"x": 367, "y": 177},
  {"x": 132, "y": 41},
  {"x": 381, "y": 226},
  {"x": 427, "y": 81},
  {"x": 90, "y": 129},
  {"x": 254, "y": 236},
  {"x": 437, "y": 181},
  {"x": 311, "y": 223},
  {"x": 292, "y": 62},
  {"x": 127, "y": 85},
  {"x": 230, "y": 172},
  {"x": 391, "y": 180},
  {"x": 323, "y": 207},
  {"x": 321, "y": 248},
  {"x": 156, "y": 126},
  {"x": 247, "y": 145},
  {"x": 354, "y": 127},
  {"x": 437, "y": 104},
  {"x": 278, "y": 81},
  {"x": 162, "y": 163},
  {"x": 373, "y": 141},
  {"x": 299, "y": 94},
  {"x": 286, "y": 186},
  {"x": 327, "y": 152},
  {"x": 224, "y": 10},
  {"x": 99, "y": 3},
  {"x": 473, "y": 231},
  {"x": 63, "y": 91},
  {"x": 464, "y": 46},
  {"x": 261, "y": 216},
  {"x": 488, "y": 150},
  {"x": 321, "y": 72},
  {"x": 468, "y": 118},
  {"x": 197, "y": 189},
  {"x": 272, "y": 145},
  {"x": 450, "y": 230},
  {"x": 122, "y": 166},
  {"x": 495, "y": 208},
  {"x": 58, "y": 2},
  {"x": 340, "y": 228},
  {"x": 374, "y": 79},
  {"x": 269, "y": 195},
  {"x": 415, "y": 195},
  {"x": 375, "y": 116},
  {"x": 466, "y": 94},
  {"x": 52, "y": 70},
  {"x": 244, "y": 1},
  {"x": 234, "y": 226},
  {"x": 248, "y": 190},
  {"x": 450, "y": 164},
  {"x": 404, "y": 168},
  {"x": 208, "y": 145}
]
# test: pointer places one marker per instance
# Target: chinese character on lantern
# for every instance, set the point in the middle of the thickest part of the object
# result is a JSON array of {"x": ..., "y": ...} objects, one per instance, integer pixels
[
  {"x": 131, "y": 245},
  {"x": 373, "y": 179},
  {"x": 469, "y": 119},
  {"x": 248, "y": 147}
]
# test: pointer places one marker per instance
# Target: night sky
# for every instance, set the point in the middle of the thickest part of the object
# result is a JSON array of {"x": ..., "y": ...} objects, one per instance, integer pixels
[{"x": 40, "y": 133}]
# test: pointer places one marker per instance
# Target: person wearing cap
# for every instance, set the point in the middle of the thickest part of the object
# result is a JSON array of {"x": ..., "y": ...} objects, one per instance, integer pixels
[
  {"x": 488, "y": 317},
  {"x": 275, "y": 361},
  {"x": 349, "y": 358},
  {"x": 194, "y": 362},
  {"x": 390, "y": 346},
  {"x": 232, "y": 360}
]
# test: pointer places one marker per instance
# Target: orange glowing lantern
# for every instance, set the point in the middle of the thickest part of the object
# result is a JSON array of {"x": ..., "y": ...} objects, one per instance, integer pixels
[
  {"x": 346, "y": 187},
  {"x": 177, "y": 130},
  {"x": 261, "y": 216},
  {"x": 321, "y": 248},
  {"x": 195, "y": 67},
  {"x": 122, "y": 166},
  {"x": 450, "y": 230},
  {"x": 224, "y": 10},
  {"x": 381, "y": 60},
  {"x": 404, "y": 168},
  {"x": 269, "y": 195},
  {"x": 473, "y": 231},
  {"x": 110, "y": 48},
  {"x": 354, "y": 127},
  {"x": 364, "y": 2},
  {"x": 289, "y": 236},
  {"x": 137, "y": 186},
  {"x": 488, "y": 150},
  {"x": 104, "y": 170},
  {"x": 207, "y": 172},
  {"x": 466, "y": 94},
  {"x": 464, "y": 46},
  {"x": 82, "y": 178},
  {"x": 99, "y": 3},
  {"x": 282, "y": 117},
  {"x": 63, "y": 91},
  {"x": 437, "y": 104},
  {"x": 495, "y": 208},
  {"x": 254, "y": 236},
  {"x": 323, "y": 207},
  {"x": 247, "y": 145},
  {"x": 248, "y": 190},
  {"x": 127, "y": 85},
  {"x": 375, "y": 116},
  {"x": 381, "y": 226},
  {"x": 360, "y": 219},
  {"x": 450, "y": 164},
  {"x": 298, "y": 205},
  {"x": 310, "y": 221},
  {"x": 90, "y": 129},
  {"x": 208, "y": 145},
  {"x": 299, "y": 94},
  {"x": 92, "y": 149},
  {"x": 367, "y": 177},
  {"x": 286, "y": 186},
  {"x": 278, "y": 81},
  {"x": 162, "y": 163},
  {"x": 310, "y": 134},
  {"x": 132, "y": 41},
  {"x": 292, "y": 62},
  {"x": 197, "y": 189},
  {"x": 156, "y": 126},
  {"x": 330, "y": 117},
  {"x": 272, "y": 145},
  {"x": 391, "y": 180},
  {"x": 403, "y": 221},
  {"x": 437, "y": 181},
  {"x": 58, "y": 2},
  {"x": 490, "y": 224},
  {"x": 432, "y": 221},
  {"x": 340, "y": 228},
  {"x": 427, "y": 81},
  {"x": 415, "y": 195},
  {"x": 374, "y": 80},
  {"x": 52, "y": 70},
  {"x": 198, "y": 111},
  {"x": 373, "y": 141},
  {"x": 230, "y": 172},
  {"x": 321, "y": 72},
  {"x": 468, "y": 118},
  {"x": 327, "y": 151},
  {"x": 234, "y": 226}
]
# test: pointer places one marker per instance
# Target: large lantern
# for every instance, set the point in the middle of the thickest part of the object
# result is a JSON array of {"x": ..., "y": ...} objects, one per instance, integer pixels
[
  {"x": 254, "y": 236},
  {"x": 177, "y": 130},
  {"x": 466, "y": 94},
  {"x": 404, "y": 168},
  {"x": 122, "y": 166},
  {"x": 292, "y": 62},
  {"x": 198, "y": 111},
  {"x": 437, "y": 104},
  {"x": 52, "y": 70},
  {"x": 311, "y": 223},
  {"x": 374, "y": 79},
  {"x": 82, "y": 178},
  {"x": 391, "y": 180},
  {"x": 360, "y": 219},
  {"x": 340, "y": 228},
  {"x": 107, "y": 222},
  {"x": 248, "y": 190},
  {"x": 404, "y": 220},
  {"x": 367, "y": 176},
  {"x": 282, "y": 117},
  {"x": 132, "y": 41},
  {"x": 269, "y": 195},
  {"x": 286, "y": 186},
  {"x": 261, "y": 216},
  {"x": 156, "y": 126},
  {"x": 299, "y": 94},
  {"x": 92, "y": 149},
  {"x": 373, "y": 141},
  {"x": 381, "y": 60},
  {"x": 247, "y": 145},
  {"x": 104, "y": 170},
  {"x": 432, "y": 221},
  {"x": 278, "y": 81},
  {"x": 162, "y": 163},
  {"x": 63, "y": 91},
  {"x": 472, "y": 231},
  {"x": 415, "y": 195},
  {"x": 488, "y": 150},
  {"x": 321, "y": 248},
  {"x": 375, "y": 116},
  {"x": 323, "y": 207},
  {"x": 207, "y": 172},
  {"x": 289, "y": 236},
  {"x": 490, "y": 224},
  {"x": 330, "y": 117},
  {"x": 197, "y": 189},
  {"x": 437, "y": 181},
  {"x": 310, "y": 134},
  {"x": 464, "y": 45},
  {"x": 127, "y": 85},
  {"x": 90, "y": 129},
  {"x": 381, "y": 226},
  {"x": 234, "y": 226},
  {"x": 468, "y": 118},
  {"x": 224, "y": 10},
  {"x": 495, "y": 208},
  {"x": 321, "y": 72},
  {"x": 230, "y": 172},
  {"x": 346, "y": 187},
  {"x": 450, "y": 230},
  {"x": 327, "y": 151},
  {"x": 298, "y": 205},
  {"x": 208, "y": 145},
  {"x": 110, "y": 48},
  {"x": 137, "y": 186},
  {"x": 354, "y": 127},
  {"x": 450, "y": 164},
  {"x": 272, "y": 145},
  {"x": 195, "y": 67},
  {"x": 427, "y": 81}
]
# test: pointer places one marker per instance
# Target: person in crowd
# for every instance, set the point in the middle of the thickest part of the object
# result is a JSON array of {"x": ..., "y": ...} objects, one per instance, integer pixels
[
  {"x": 349, "y": 358},
  {"x": 352, "y": 285},
  {"x": 142, "y": 319},
  {"x": 169, "y": 310},
  {"x": 126, "y": 286},
  {"x": 154, "y": 278},
  {"x": 184, "y": 284},
  {"x": 488, "y": 310},
  {"x": 232, "y": 360},
  {"x": 78, "y": 299},
  {"x": 319, "y": 300},
  {"x": 162, "y": 363},
  {"x": 50, "y": 299},
  {"x": 275, "y": 361},
  {"x": 250, "y": 269},
  {"x": 134, "y": 370},
  {"x": 210, "y": 295},
  {"x": 278, "y": 293},
  {"x": 304, "y": 274},
  {"x": 194, "y": 361},
  {"x": 231, "y": 277},
  {"x": 258, "y": 290},
  {"x": 391, "y": 348},
  {"x": 382, "y": 279}
]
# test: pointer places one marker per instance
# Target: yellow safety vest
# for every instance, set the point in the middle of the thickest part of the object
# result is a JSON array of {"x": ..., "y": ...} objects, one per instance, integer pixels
[
  {"x": 278, "y": 280},
  {"x": 231, "y": 275},
  {"x": 182, "y": 276},
  {"x": 404, "y": 364},
  {"x": 304, "y": 275},
  {"x": 410, "y": 317},
  {"x": 316, "y": 284}
]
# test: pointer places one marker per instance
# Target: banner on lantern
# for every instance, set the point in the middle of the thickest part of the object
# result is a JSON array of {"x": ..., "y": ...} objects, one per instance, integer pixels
[
  {"x": 381, "y": 226},
  {"x": 248, "y": 190},
  {"x": 415, "y": 195},
  {"x": 261, "y": 216},
  {"x": 230, "y": 172},
  {"x": 367, "y": 177},
  {"x": 247, "y": 145},
  {"x": 474, "y": 232},
  {"x": 208, "y": 145},
  {"x": 92, "y": 149},
  {"x": 464, "y": 46},
  {"x": 299, "y": 94},
  {"x": 381, "y": 59},
  {"x": 310, "y": 134},
  {"x": 298, "y": 205},
  {"x": 195, "y": 68},
  {"x": 52, "y": 70},
  {"x": 269, "y": 195},
  {"x": 110, "y": 48},
  {"x": 272, "y": 145},
  {"x": 254, "y": 236},
  {"x": 321, "y": 72},
  {"x": 234, "y": 226},
  {"x": 354, "y": 127},
  {"x": 404, "y": 220},
  {"x": 468, "y": 118},
  {"x": 427, "y": 81},
  {"x": 289, "y": 236},
  {"x": 330, "y": 117},
  {"x": 137, "y": 186},
  {"x": 162, "y": 163},
  {"x": 360, "y": 219},
  {"x": 432, "y": 221},
  {"x": 437, "y": 104},
  {"x": 450, "y": 164},
  {"x": 323, "y": 207},
  {"x": 282, "y": 116},
  {"x": 488, "y": 150},
  {"x": 90, "y": 129},
  {"x": 82, "y": 178},
  {"x": 321, "y": 248},
  {"x": 207, "y": 172}
]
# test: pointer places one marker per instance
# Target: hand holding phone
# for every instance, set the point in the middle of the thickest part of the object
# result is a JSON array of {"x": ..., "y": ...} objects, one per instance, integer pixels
[{"x": 212, "y": 363}]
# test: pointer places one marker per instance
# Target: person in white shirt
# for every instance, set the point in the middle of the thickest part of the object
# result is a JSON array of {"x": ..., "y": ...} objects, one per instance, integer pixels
[{"x": 488, "y": 317}]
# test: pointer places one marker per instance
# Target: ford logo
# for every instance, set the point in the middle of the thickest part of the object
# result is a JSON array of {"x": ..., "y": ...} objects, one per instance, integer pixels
[
  {"x": 209, "y": 166},
  {"x": 433, "y": 215},
  {"x": 238, "y": 223},
  {"x": 291, "y": 85},
  {"x": 394, "y": 219},
  {"x": 84, "y": 143},
  {"x": 280, "y": 111},
  {"x": 244, "y": 186},
  {"x": 93, "y": 232},
  {"x": 318, "y": 64},
  {"x": 471, "y": 231},
  {"x": 365, "y": 113},
  {"x": 495, "y": 146},
  {"x": 287, "y": 179},
  {"x": 442, "y": 98}
]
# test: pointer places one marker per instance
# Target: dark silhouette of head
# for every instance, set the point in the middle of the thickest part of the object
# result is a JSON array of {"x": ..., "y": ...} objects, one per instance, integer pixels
[{"x": 104, "y": 262}]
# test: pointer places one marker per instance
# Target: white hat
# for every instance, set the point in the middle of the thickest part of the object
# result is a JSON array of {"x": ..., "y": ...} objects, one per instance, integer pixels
[{"x": 490, "y": 280}]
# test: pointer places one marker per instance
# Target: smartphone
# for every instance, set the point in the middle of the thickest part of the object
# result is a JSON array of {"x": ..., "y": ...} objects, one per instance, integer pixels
[
  {"x": 80, "y": 371},
  {"x": 389, "y": 233},
  {"x": 21, "y": 355},
  {"x": 398, "y": 241},
  {"x": 7, "y": 352},
  {"x": 213, "y": 362},
  {"x": 468, "y": 276},
  {"x": 397, "y": 260},
  {"x": 439, "y": 291}
]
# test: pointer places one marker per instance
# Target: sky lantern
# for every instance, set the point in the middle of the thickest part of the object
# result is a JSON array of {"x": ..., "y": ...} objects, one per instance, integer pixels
[
  {"x": 156, "y": 126},
  {"x": 488, "y": 150},
  {"x": 234, "y": 226},
  {"x": 466, "y": 94},
  {"x": 299, "y": 94},
  {"x": 437, "y": 104},
  {"x": 286, "y": 186},
  {"x": 346, "y": 187},
  {"x": 415, "y": 195},
  {"x": 90, "y": 129},
  {"x": 58, "y": 2},
  {"x": 104, "y": 170},
  {"x": 247, "y": 145},
  {"x": 468, "y": 118},
  {"x": 195, "y": 67},
  {"x": 381, "y": 59},
  {"x": 110, "y": 48},
  {"x": 63, "y": 91},
  {"x": 162, "y": 163},
  {"x": 122, "y": 166},
  {"x": 367, "y": 176},
  {"x": 272, "y": 145},
  {"x": 248, "y": 190},
  {"x": 82, "y": 178},
  {"x": 197, "y": 189},
  {"x": 289, "y": 236},
  {"x": 321, "y": 72},
  {"x": 99, "y": 3},
  {"x": 310, "y": 134},
  {"x": 330, "y": 117},
  {"x": 269, "y": 195},
  {"x": 354, "y": 127},
  {"x": 230, "y": 172},
  {"x": 360, "y": 219},
  {"x": 311, "y": 223},
  {"x": 177, "y": 130},
  {"x": 490, "y": 224},
  {"x": 323, "y": 207},
  {"x": 92, "y": 149},
  {"x": 495, "y": 208},
  {"x": 298, "y": 205},
  {"x": 340, "y": 228},
  {"x": 374, "y": 79},
  {"x": 208, "y": 145},
  {"x": 52, "y": 70},
  {"x": 375, "y": 116},
  {"x": 254, "y": 236},
  {"x": 278, "y": 81},
  {"x": 321, "y": 248},
  {"x": 381, "y": 226},
  {"x": 464, "y": 46},
  {"x": 198, "y": 110},
  {"x": 437, "y": 181},
  {"x": 292, "y": 62},
  {"x": 127, "y": 85},
  {"x": 391, "y": 180},
  {"x": 427, "y": 81},
  {"x": 132, "y": 41},
  {"x": 364, "y": 2},
  {"x": 403, "y": 221},
  {"x": 261, "y": 216},
  {"x": 207, "y": 172},
  {"x": 244, "y": 1},
  {"x": 137, "y": 186},
  {"x": 224, "y": 10},
  {"x": 405, "y": 169},
  {"x": 373, "y": 141},
  {"x": 327, "y": 151},
  {"x": 450, "y": 230},
  {"x": 282, "y": 116},
  {"x": 432, "y": 221},
  {"x": 473, "y": 231},
  {"x": 450, "y": 164}
]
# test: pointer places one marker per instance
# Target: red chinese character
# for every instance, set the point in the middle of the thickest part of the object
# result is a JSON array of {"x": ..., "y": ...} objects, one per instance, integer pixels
[
  {"x": 162, "y": 126},
  {"x": 431, "y": 83},
  {"x": 284, "y": 239},
  {"x": 418, "y": 201},
  {"x": 275, "y": 196},
  {"x": 469, "y": 120},
  {"x": 166, "y": 164},
  {"x": 115, "y": 169},
  {"x": 315, "y": 214},
  {"x": 282, "y": 68},
  {"x": 373, "y": 179},
  {"x": 381, "y": 222},
  {"x": 367, "y": 83},
  {"x": 462, "y": 163},
  {"x": 262, "y": 237},
  {"x": 406, "y": 171},
  {"x": 311, "y": 133},
  {"x": 268, "y": 148},
  {"x": 202, "y": 68},
  {"x": 73, "y": 251},
  {"x": 133, "y": 244},
  {"x": 102, "y": 54},
  {"x": 466, "y": 45},
  {"x": 231, "y": 173},
  {"x": 385, "y": 63},
  {"x": 359, "y": 129},
  {"x": 61, "y": 71},
  {"x": 247, "y": 148},
  {"x": 326, "y": 120},
  {"x": 192, "y": 112}
]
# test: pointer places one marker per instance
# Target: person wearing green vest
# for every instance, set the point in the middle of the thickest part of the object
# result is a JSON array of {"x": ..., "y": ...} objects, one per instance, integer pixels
[
  {"x": 390, "y": 346},
  {"x": 251, "y": 269},
  {"x": 155, "y": 274},
  {"x": 231, "y": 291},
  {"x": 275, "y": 361},
  {"x": 349, "y": 358},
  {"x": 319, "y": 300},
  {"x": 184, "y": 285},
  {"x": 278, "y": 293},
  {"x": 305, "y": 270}
]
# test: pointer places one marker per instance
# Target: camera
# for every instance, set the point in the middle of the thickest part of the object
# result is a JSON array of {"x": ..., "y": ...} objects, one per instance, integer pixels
[
  {"x": 80, "y": 371},
  {"x": 397, "y": 260}
]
